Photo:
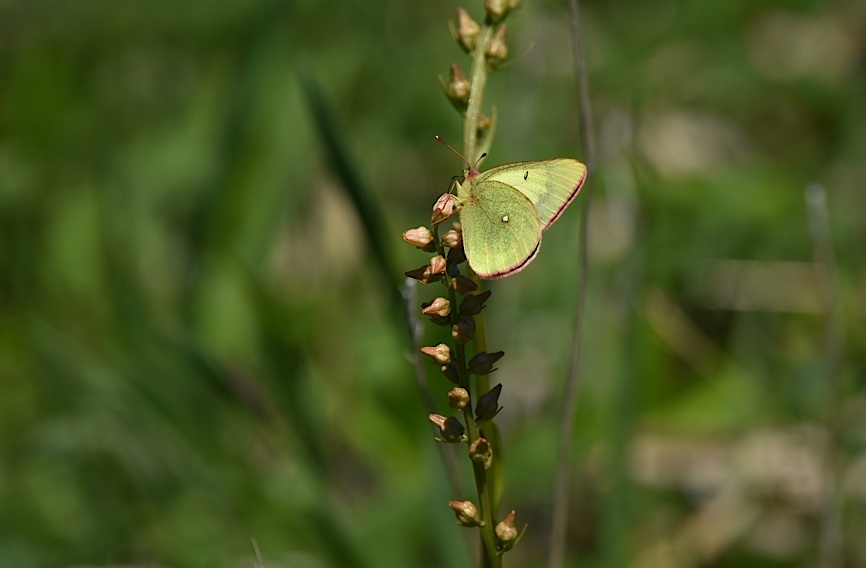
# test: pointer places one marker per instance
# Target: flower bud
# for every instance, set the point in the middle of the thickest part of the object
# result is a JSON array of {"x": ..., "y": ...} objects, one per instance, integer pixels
[
  {"x": 458, "y": 88},
  {"x": 463, "y": 285},
  {"x": 421, "y": 238},
  {"x": 450, "y": 428},
  {"x": 443, "y": 208},
  {"x": 453, "y": 238},
  {"x": 438, "y": 307},
  {"x": 482, "y": 363},
  {"x": 467, "y": 513},
  {"x": 488, "y": 405},
  {"x": 467, "y": 31},
  {"x": 455, "y": 257},
  {"x": 472, "y": 304},
  {"x": 506, "y": 532},
  {"x": 458, "y": 398},
  {"x": 481, "y": 452},
  {"x": 463, "y": 330},
  {"x": 482, "y": 123},
  {"x": 496, "y": 10},
  {"x": 438, "y": 264},
  {"x": 450, "y": 372},
  {"x": 423, "y": 274},
  {"x": 497, "y": 49},
  {"x": 441, "y": 354}
]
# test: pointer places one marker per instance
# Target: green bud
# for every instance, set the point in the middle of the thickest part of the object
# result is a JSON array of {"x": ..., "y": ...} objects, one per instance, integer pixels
[
  {"x": 496, "y": 10},
  {"x": 467, "y": 31},
  {"x": 506, "y": 532},
  {"x": 467, "y": 513},
  {"x": 458, "y": 88},
  {"x": 497, "y": 49}
]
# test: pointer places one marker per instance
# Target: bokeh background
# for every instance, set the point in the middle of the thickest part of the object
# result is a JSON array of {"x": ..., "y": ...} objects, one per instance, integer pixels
[{"x": 198, "y": 344}]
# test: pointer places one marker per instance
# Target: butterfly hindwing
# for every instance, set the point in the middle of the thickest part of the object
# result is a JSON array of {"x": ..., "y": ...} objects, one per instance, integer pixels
[{"x": 501, "y": 228}]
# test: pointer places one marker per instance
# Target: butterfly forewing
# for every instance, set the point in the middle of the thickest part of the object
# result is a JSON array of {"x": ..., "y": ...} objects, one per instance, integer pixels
[
  {"x": 501, "y": 229},
  {"x": 549, "y": 184}
]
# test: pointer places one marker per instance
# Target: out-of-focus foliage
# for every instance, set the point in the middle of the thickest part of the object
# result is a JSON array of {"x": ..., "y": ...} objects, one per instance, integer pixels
[{"x": 195, "y": 347}]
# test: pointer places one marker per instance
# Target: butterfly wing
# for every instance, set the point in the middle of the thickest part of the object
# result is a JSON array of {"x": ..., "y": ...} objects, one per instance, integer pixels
[
  {"x": 501, "y": 229},
  {"x": 551, "y": 185}
]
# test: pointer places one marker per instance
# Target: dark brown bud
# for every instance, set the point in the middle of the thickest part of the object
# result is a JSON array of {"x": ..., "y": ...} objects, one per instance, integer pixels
[
  {"x": 463, "y": 285},
  {"x": 450, "y": 372},
  {"x": 497, "y": 49},
  {"x": 488, "y": 405},
  {"x": 443, "y": 208},
  {"x": 438, "y": 307},
  {"x": 441, "y": 353},
  {"x": 506, "y": 532},
  {"x": 421, "y": 238},
  {"x": 481, "y": 452},
  {"x": 467, "y": 31},
  {"x": 458, "y": 398},
  {"x": 450, "y": 428},
  {"x": 467, "y": 513},
  {"x": 463, "y": 330},
  {"x": 456, "y": 256},
  {"x": 423, "y": 274},
  {"x": 472, "y": 304},
  {"x": 482, "y": 363}
]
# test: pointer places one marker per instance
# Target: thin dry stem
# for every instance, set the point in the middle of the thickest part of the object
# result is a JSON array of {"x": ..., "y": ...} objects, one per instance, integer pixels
[
  {"x": 831, "y": 546},
  {"x": 562, "y": 489}
]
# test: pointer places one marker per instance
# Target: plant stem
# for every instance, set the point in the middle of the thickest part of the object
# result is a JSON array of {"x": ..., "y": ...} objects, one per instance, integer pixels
[
  {"x": 830, "y": 552},
  {"x": 491, "y": 557},
  {"x": 476, "y": 95},
  {"x": 480, "y": 72}
]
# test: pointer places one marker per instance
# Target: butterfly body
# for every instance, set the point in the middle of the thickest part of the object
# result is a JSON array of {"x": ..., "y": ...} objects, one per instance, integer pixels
[{"x": 504, "y": 211}]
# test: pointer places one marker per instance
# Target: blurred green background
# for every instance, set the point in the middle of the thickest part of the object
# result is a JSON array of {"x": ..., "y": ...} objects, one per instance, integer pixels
[{"x": 197, "y": 346}]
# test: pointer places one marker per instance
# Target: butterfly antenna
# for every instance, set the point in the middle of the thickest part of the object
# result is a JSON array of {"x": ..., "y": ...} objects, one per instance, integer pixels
[
  {"x": 478, "y": 161},
  {"x": 450, "y": 147},
  {"x": 465, "y": 161}
]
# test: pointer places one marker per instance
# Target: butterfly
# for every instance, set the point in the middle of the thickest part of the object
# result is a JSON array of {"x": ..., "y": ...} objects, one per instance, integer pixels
[{"x": 504, "y": 211}]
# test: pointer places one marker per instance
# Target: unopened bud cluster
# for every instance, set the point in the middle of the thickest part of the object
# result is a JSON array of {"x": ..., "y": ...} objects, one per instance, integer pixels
[
  {"x": 470, "y": 36},
  {"x": 456, "y": 309},
  {"x": 458, "y": 315}
]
